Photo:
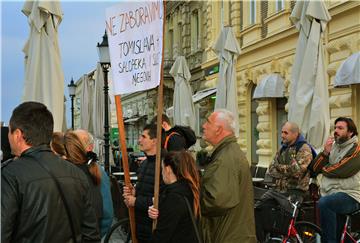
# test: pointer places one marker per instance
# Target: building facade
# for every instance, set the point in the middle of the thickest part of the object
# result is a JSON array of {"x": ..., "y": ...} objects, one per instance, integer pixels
[{"x": 267, "y": 39}]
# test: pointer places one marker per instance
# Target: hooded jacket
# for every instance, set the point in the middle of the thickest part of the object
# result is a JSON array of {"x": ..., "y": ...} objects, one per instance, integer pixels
[
  {"x": 31, "y": 207},
  {"x": 289, "y": 167}
]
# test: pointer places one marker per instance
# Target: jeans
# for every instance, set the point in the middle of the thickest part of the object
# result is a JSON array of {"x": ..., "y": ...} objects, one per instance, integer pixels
[{"x": 333, "y": 210}]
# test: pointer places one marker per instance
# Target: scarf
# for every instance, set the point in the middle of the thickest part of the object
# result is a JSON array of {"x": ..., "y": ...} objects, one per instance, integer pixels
[{"x": 338, "y": 151}]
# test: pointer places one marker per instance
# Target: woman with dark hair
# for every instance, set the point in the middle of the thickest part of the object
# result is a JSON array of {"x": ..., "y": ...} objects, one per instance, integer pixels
[
  {"x": 179, "y": 201},
  {"x": 73, "y": 149}
]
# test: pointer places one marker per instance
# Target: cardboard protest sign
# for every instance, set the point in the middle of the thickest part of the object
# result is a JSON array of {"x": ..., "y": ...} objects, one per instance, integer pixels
[{"x": 135, "y": 34}]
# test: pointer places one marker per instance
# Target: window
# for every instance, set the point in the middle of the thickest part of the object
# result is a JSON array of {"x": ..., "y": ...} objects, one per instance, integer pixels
[
  {"x": 171, "y": 41},
  {"x": 252, "y": 11},
  {"x": 195, "y": 31},
  {"x": 179, "y": 49},
  {"x": 254, "y": 131},
  {"x": 281, "y": 117},
  {"x": 280, "y": 5}
]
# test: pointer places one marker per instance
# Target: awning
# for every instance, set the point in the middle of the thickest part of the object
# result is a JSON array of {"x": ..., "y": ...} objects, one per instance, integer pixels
[
  {"x": 271, "y": 86},
  {"x": 349, "y": 71},
  {"x": 132, "y": 120},
  {"x": 203, "y": 94},
  {"x": 198, "y": 96}
]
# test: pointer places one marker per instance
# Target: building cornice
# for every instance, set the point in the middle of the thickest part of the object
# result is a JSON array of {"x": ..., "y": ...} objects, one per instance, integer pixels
[{"x": 342, "y": 7}]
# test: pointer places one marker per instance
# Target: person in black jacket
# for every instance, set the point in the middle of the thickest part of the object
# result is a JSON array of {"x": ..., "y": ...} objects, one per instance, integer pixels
[
  {"x": 142, "y": 197},
  {"x": 174, "y": 224},
  {"x": 173, "y": 140},
  {"x": 32, "y": 209}
]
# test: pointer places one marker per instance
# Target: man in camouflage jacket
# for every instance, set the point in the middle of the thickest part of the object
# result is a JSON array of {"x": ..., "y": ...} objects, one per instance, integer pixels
[
  {"x": 289, "y": 167},
  {"x": 289, "y": 172}
]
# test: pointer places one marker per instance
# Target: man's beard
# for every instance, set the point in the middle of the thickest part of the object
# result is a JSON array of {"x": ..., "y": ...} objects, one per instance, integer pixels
[{"x": 340, "y": 139}]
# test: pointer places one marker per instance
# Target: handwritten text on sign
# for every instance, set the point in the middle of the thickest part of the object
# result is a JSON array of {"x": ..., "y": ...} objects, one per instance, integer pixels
[{"x": 135, "y": 34}]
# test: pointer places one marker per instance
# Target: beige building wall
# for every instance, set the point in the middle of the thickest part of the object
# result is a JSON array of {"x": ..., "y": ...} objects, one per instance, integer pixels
[
  {"x": 268, "y": 46},
  {"x": 268, "y": 40}
]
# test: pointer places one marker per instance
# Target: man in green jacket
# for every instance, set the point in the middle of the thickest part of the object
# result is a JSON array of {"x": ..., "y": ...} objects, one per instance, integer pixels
[{"x": 227, "y": 193}]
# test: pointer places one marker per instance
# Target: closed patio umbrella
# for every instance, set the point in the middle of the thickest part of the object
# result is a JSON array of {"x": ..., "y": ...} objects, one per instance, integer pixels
[
  {"x": 309, "y": 98},
  {"x": 227, "y": 49},
  {"x": 98, "y": 112},
  {"x": 86, "y": 106},
  {"x": 184, "y": 112},
  {"x": 44, "y": 78}
]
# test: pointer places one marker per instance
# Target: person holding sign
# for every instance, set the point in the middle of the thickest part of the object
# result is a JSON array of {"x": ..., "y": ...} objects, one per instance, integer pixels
[
  {"x": 142, "y": 197},
  {"x": 175, "y": 214}
]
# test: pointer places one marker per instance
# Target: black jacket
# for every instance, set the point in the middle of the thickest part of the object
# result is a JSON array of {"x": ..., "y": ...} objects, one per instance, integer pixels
[
  {"x": 176, "y": 141},
  {"x": 31, "y": 206},
  {"x": 95, "y": 192},
  {"x": 144, "y": 195},
  {"x": 174, "y": 223}
]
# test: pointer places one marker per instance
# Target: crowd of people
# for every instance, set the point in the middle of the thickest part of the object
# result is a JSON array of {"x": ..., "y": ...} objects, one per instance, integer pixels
[{"x": 55, "y": 190}]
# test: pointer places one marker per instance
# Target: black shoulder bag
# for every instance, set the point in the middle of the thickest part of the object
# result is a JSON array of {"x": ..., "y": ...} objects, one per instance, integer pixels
[
  {"x": 193, "y": 220},
  {"x": 57, "y": 183}
]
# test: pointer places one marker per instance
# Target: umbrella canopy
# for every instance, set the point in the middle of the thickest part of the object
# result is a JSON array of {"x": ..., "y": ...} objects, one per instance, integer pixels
[
  {"x": 349, "y": 71},
  {"x": 227, "y": 49},
  {"x": 309, "y": 97},
  {"x": 64, "y": 125},
  {"x": 86, "y": 106},
  {"x": 98, "y": 113},
  {"x": 44, "y": 77},
  {"x": 184, "y": 112},
  {"x": 271, "y": 86}
]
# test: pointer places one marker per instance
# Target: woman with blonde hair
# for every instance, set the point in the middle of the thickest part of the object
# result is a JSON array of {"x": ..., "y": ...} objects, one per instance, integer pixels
[
  {"x": 73, "y": 149},
  {"x": 179, "y": 202}
]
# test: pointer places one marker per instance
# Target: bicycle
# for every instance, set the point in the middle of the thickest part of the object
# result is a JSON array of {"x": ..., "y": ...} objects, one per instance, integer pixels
[
  {"x": 119, "y": 232},
  {"x": 302, "y": 231},
  {"x": 347, "y": 233}
]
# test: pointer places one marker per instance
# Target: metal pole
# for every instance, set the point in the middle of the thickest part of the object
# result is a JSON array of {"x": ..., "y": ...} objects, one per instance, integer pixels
[
  {"x": 72, "y": 112},
  {"x": 105, "y": 68}
]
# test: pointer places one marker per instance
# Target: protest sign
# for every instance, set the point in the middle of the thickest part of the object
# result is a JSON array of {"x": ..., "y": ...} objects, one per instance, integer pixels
[{"x": 135, "y": 34}]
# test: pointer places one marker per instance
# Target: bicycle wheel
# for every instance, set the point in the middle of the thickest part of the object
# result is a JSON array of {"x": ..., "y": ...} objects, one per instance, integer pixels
[
  {"x": 119, "y": 232},
  {"x": 308, "y": 232}
]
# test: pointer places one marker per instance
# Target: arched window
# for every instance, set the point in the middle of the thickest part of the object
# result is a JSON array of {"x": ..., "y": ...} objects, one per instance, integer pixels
[{"x": 254, "y": 131}]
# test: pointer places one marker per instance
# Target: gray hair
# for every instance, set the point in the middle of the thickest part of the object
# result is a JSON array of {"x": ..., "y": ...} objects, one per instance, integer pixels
[
  {"x": 89, "y": 139},
  {"x": 226, "y": 117}
]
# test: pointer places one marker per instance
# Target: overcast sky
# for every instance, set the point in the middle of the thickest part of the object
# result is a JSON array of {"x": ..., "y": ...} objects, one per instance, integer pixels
[{"x": 83, "y": 25}]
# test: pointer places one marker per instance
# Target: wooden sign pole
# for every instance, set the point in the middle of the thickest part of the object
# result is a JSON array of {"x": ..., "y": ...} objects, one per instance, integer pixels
[
  {"x": 125, "y": 162},
  {"x": 160, "y": 103}
]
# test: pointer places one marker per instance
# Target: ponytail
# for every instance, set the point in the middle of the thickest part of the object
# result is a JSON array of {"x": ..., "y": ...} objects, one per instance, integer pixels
[
  {"x": 93, "y": 167},
  {"x": 76, "y": 153}
]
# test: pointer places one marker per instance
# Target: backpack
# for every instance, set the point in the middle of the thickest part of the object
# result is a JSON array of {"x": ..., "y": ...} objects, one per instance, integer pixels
[{"x": 184, "y": 131}]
